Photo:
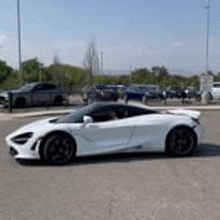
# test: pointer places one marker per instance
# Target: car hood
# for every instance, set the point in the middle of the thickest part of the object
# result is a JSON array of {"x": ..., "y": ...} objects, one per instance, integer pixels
[
  {"x": 191, "y": 113},
  {"x": 4, "y": 94},
  {"x": 39, "y": 127}
]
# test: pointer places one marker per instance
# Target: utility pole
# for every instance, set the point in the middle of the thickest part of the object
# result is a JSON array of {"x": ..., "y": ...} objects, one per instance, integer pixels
[
  {"x": 19, "y": 43},
  {"x": 207, "y": 37},
  {"x": 101, "y": 62},
  {"x": 102, "y": 72},
  {"x": 130, "y": 72}
]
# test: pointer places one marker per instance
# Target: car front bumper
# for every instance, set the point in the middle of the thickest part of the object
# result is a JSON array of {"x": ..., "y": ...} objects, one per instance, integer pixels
[{"x": 29, "y": 150}]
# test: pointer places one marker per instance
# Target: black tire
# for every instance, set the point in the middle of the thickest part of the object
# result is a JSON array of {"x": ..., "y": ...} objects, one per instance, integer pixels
[
  {"x": 58, "y": 100},
  {"x": 59, "y": 149},
  {"x": 181, "y": 141},
  {"x": 20, "y": 102}
]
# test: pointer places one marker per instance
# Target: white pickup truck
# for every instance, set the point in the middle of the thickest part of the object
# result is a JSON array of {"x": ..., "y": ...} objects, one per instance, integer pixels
[{"x": 215, "y": 91}]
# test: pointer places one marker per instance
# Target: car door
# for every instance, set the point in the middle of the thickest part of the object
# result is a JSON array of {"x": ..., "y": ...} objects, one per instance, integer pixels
[
  {"x": 40, "y": 94},
  {"x": 107, "y": 135}
]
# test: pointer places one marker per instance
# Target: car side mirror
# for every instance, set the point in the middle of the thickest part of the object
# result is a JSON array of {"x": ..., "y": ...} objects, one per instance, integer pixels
[{"x": 87, "y": 119}]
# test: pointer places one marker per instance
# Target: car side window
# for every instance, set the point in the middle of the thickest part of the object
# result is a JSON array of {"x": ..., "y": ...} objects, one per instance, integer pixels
[
  {"x": 120, "y": 112},
  {"x": 38, "y": 88},
  {"x": 133, "y": 111},
  {"x": 216, "y": 85},
  {"x": 50, "y": 86},
  {"x": 103, "y": 115}
]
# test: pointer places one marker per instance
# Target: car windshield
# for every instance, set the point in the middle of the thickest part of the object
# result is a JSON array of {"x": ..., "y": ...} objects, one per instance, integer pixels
[
  {"x": 26, "y": 88},
  {"x": 77, "y": 116}
]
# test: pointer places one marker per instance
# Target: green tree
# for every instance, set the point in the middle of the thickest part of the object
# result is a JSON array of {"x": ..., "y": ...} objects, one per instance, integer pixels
[
  {"x": 70, "y": 77},
  {"x": 5, "y": 71},
  {"x": 11, "y": 82},
  {"x": 160, "y": 71},
  {"x": 34, "y": 71},
  {"x": 142, "y": 76}
]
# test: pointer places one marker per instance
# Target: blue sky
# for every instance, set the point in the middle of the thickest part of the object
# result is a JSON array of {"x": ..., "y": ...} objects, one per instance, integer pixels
[{"x": 131, "y": 33}]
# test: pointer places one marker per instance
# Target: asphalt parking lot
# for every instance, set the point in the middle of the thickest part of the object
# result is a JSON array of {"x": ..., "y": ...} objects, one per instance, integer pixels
[{"x": 132, "y": 186}]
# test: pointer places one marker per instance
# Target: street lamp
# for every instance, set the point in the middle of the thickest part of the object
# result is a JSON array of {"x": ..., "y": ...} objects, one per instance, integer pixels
[
  {"x": 207, "y": 37},
  {"x": 19, "y": 43},
  {"x": 101, "y": 61}
]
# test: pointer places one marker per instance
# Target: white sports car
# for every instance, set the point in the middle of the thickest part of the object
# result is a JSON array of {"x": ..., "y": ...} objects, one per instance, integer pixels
[{"x": 104, "y": 128}]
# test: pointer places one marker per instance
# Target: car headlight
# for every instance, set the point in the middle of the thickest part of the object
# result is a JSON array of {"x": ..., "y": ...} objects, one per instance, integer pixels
[{"x": 22, "y": 138}]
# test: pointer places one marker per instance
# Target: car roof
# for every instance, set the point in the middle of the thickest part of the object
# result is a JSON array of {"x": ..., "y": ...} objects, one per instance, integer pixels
[
  {"x": 107, "y": 104},
  {"x": 116, "y": 104}
]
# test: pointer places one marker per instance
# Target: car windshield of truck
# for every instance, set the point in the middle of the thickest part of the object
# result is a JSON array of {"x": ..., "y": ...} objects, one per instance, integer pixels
[{"x": 26, "y": 88}]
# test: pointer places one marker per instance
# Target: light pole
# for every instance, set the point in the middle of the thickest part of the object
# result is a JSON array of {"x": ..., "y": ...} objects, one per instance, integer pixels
[
  {"x": 130, "y": 72},
  {"x": 207, "y": 37},
  {"x": 102, "y": 72},
  {"x": 101, "y": 62},
  {"x": 19, "y": 44}
]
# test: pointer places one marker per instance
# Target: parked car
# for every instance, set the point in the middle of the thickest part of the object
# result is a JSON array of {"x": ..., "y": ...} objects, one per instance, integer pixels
[
  {"x": 152, "y": 94},
  {"x": 34, "y": 94},
  {"x": 215, "y": 91},
  {"x": 174, "y": 93},
  {"x": 133, "y": 93},
  {"x": 192, "y": 93},
  {"x": 105, "y": 128},
  {"x": 99, "y": 93},
  {"x": 140, "y": 93}
]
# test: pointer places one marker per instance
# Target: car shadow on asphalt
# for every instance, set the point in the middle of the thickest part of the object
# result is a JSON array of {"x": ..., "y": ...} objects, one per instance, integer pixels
[{"x": 204, "y": 150}]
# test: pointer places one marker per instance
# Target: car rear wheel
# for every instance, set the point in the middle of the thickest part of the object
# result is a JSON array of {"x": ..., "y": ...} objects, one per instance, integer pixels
[
  {"x": 59, "y": 149},
  {"x": 181, "y": 141}
]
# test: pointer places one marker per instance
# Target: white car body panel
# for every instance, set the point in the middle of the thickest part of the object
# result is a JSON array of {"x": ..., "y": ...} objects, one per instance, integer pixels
[
  {"x": 215, "y": 91},
  {"x": 141, "y": 133},
  {"x": 103, "y": 137},
  {"x": 190, "y": 113}
]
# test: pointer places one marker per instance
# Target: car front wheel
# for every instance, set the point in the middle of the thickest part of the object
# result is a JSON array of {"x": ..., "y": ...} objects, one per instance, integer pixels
[
  {"x": 20, "y": 102},
  {"x": 59, "y": 149},
  {"x": 181, "y": 141}
]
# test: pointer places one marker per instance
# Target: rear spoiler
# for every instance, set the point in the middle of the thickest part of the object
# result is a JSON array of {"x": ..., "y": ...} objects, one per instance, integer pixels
[{"x": 191, "y": 113}]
